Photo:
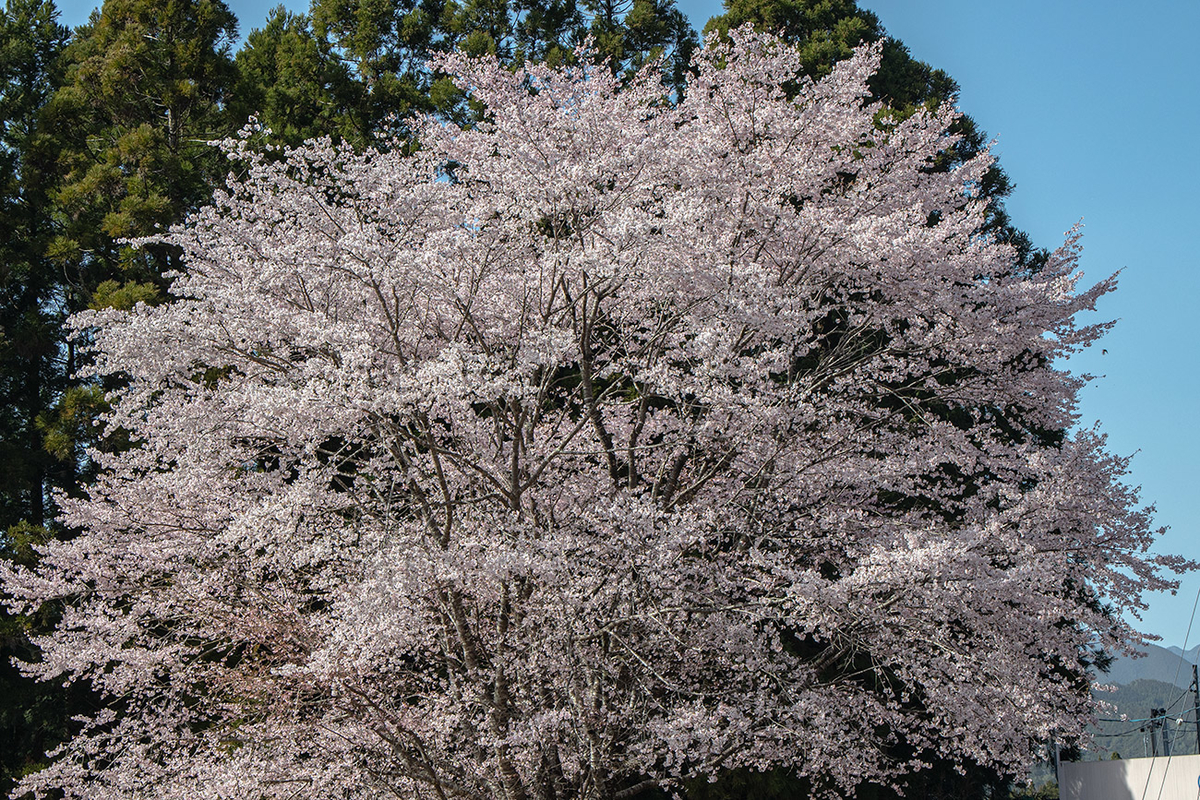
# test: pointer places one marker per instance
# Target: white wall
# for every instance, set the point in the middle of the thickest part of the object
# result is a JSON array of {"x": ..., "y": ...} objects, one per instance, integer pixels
[{"x": 1159, "y": 778}]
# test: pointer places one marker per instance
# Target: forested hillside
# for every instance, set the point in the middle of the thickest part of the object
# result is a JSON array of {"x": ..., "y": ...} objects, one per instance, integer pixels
[{"x": 1131, "y": 728}]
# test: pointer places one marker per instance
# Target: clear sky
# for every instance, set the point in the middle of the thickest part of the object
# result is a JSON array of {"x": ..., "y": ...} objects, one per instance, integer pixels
[{"x": 1097, "y": 113}]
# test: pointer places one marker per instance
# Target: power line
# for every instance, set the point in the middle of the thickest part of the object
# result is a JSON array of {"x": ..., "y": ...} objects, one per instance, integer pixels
[
  {"x": 1164, "y": 715},
  {"x": 1186, "y": 636},
  {"x": 1179, "y": 719}
]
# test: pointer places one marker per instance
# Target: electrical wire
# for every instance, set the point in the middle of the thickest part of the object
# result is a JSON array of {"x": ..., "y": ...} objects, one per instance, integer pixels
[
  {"x": 1188, "y": 634},
  {"x": 1162, "y": 785},
  {"x": 1164, "y": 715},
  {"x": 1102, "y": 734}
]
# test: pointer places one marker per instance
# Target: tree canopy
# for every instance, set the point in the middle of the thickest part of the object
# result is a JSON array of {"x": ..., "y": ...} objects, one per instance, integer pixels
[
  {"x": 605, "y": 444},
  {"x": 826, "y": 31}
]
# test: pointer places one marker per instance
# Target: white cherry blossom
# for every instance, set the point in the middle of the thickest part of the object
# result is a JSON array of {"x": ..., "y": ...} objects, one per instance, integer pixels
[{"x": 607, "y": 443}]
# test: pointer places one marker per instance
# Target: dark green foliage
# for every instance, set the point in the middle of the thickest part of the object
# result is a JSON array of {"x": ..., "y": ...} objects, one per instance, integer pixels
[
  {"x": 825, "y": 31},
  {"x": 656, "y": 29},
  {"x": 546, "y": 32},
  {"x": 145, "y": 90},
  {"x": 388, "y": 43},
  {"x": 30, "y": 321},
  {"x": 1046, "y": 791},
  {"x": 295, "y": 85},
  {"x": 144, "y": 94},
  {"x": 33, "y": 716}
]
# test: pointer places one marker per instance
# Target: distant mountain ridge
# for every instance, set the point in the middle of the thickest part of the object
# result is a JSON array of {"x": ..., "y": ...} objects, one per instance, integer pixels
[
  {"x": 1171, "y": 665},
  {"x": 1189, "y": 655}
]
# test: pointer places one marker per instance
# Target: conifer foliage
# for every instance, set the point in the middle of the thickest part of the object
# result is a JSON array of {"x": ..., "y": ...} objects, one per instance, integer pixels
[
  {"x": 606, "y": 444},
  {"x": 143, "y": 95}
]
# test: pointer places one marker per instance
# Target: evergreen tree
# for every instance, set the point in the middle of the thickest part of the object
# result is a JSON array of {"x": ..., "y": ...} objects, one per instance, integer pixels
[
  {"x": 390, "y": 42},
  {"x": 144, "y": 94},
  {"x": 30, "y": 43},
  {"x": 33, "y": 716},
  {"x": 547, "y": 32},
  {"x": 657, "y": 29},
  {"x": 632, "y": 33},
  {"x": 294, "y": 83},
  {"x": 387, "y": 43}
]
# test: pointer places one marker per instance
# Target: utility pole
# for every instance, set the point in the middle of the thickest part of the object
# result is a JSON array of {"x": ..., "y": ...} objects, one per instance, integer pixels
[
  {"x": 1196, "y": 707},
  {"x": 1153, "y": 725}
]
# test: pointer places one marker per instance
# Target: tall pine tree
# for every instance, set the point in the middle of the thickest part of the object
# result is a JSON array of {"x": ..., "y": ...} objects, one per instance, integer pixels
[
  {"x": 387, "y": 43},
  {"x": 144, "y": 94},
  {"x": 31, "y": 41},
  {"x": 295, "y": 85},
  {"x": 390, "y": 42},
  {"x": 33, "y": 717}
]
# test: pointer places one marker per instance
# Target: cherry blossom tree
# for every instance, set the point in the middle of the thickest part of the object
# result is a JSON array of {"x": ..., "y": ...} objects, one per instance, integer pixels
[{"x": 609, "y": 443}]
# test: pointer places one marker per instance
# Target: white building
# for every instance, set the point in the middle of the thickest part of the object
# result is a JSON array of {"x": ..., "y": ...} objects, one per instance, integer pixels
[{"x": 1160, "y": 778}]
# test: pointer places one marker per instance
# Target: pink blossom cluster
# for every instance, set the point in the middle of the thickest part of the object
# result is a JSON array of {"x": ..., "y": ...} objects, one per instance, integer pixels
[{"x": 610, "y": 442}]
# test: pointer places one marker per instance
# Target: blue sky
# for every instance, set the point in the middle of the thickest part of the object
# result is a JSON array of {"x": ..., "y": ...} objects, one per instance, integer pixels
[{"x": 1097, "y": 113}]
